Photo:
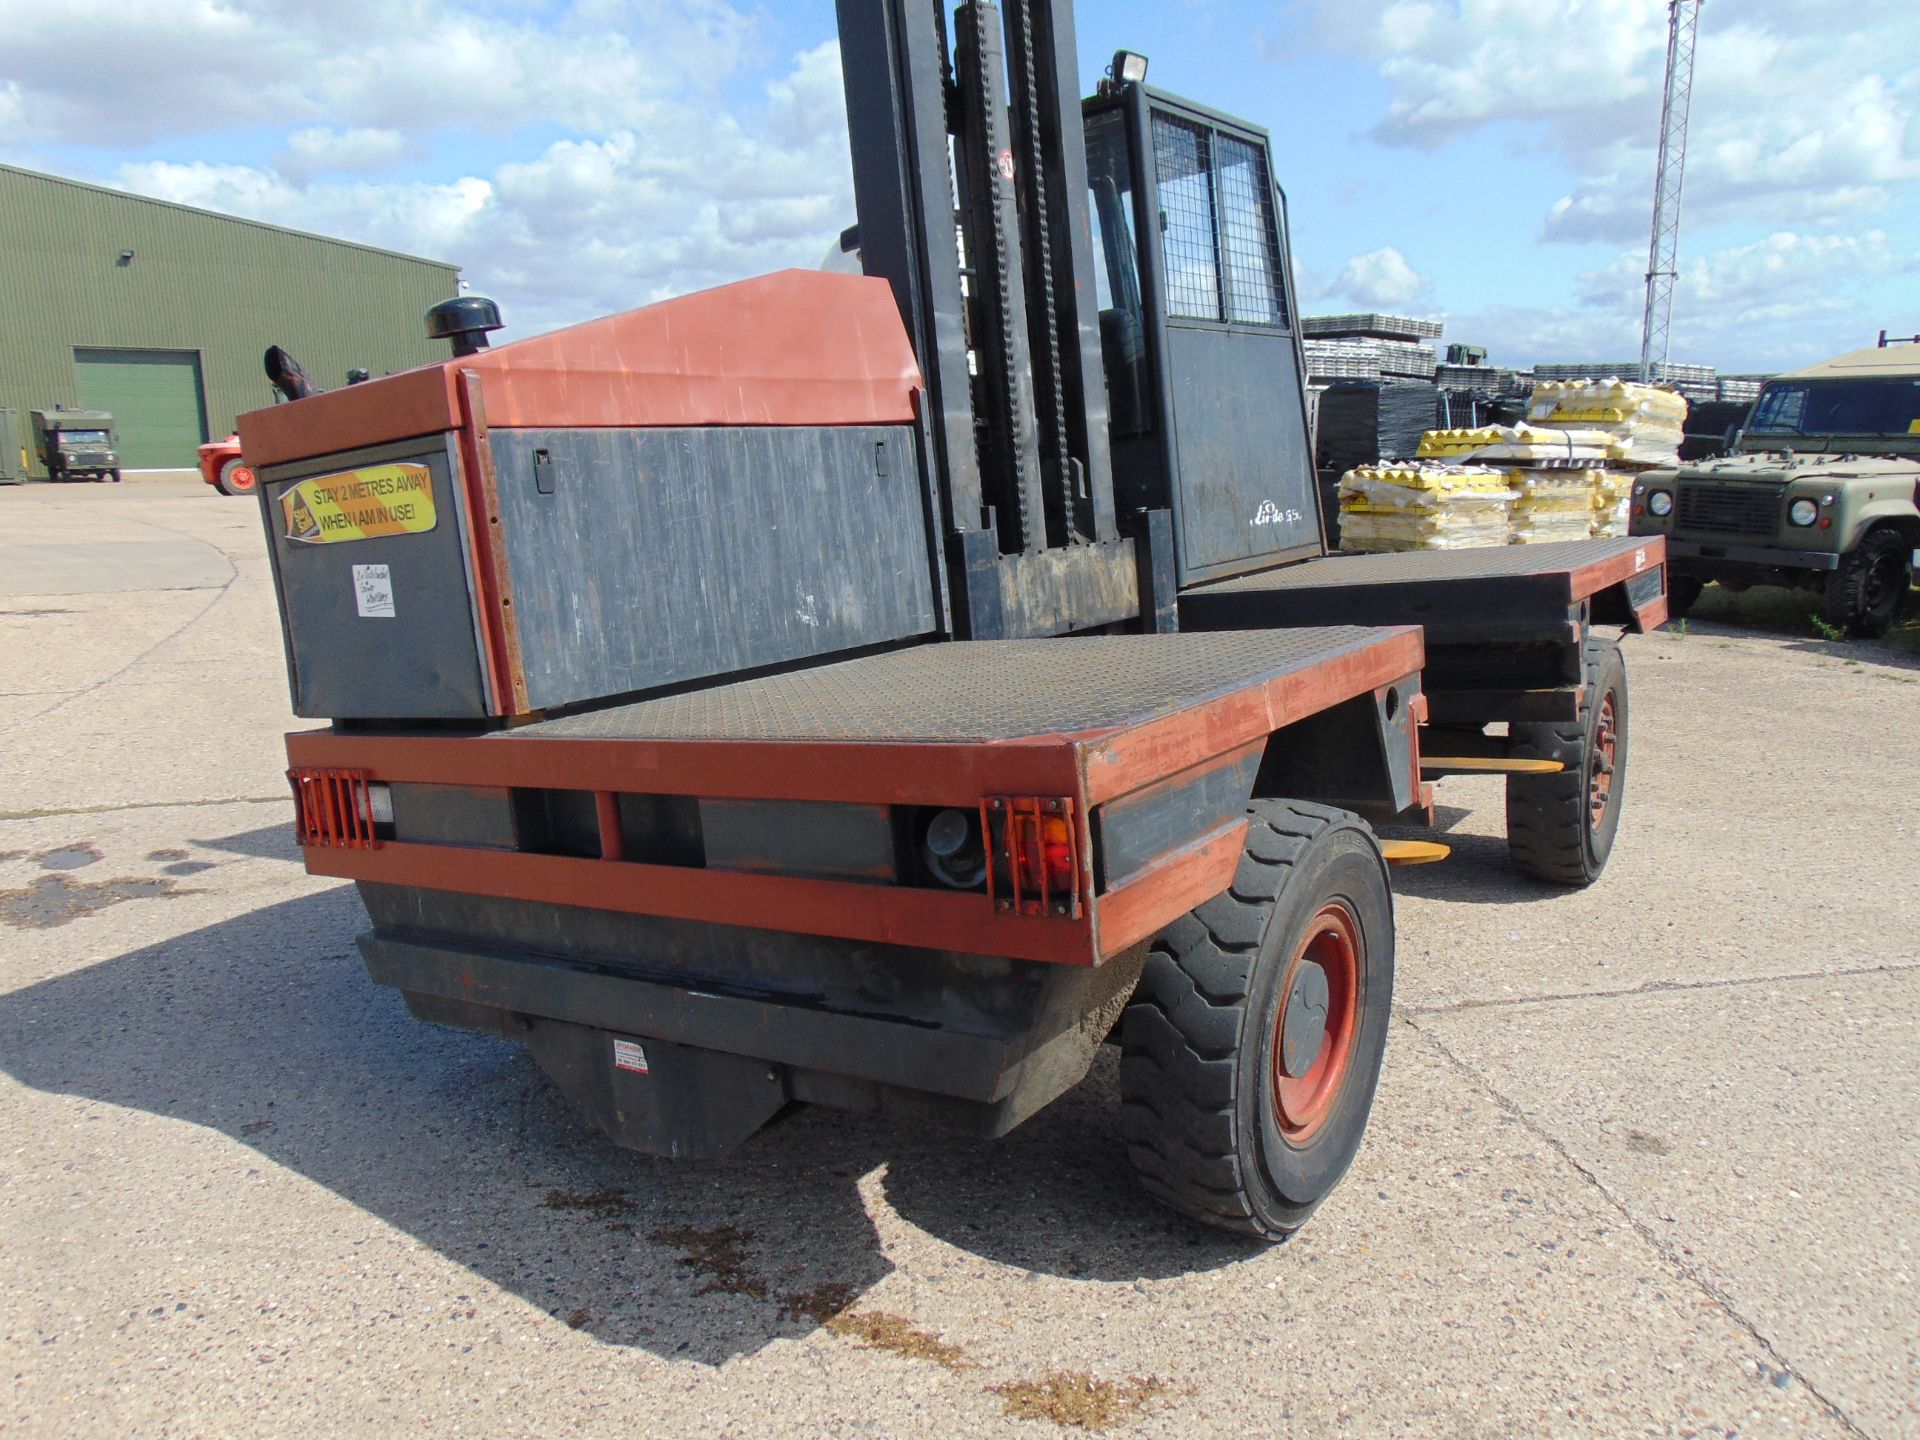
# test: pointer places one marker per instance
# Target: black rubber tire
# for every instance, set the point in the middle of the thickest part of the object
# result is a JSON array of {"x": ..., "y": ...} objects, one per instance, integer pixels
[
  {"x": 1870, "y": 589},
  {"x": 1682, "y": 592},
  {"x": 224, "y": 486},
  {"x": 1550, "y": 834},
  {"x": 1197, "y": 1037}
]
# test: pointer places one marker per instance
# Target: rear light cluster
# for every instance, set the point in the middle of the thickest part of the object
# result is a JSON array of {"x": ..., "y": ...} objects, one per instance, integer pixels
[
  {"x": 1035, "y": 864},
  {"x": 338, "y": 809}
]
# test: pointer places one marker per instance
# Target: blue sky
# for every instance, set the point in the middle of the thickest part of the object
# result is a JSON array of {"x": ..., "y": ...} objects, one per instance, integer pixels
[{"x": 1488, "y": 162}]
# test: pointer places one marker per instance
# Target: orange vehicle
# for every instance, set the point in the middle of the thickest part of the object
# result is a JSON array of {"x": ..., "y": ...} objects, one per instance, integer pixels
[{"x": 222, "y": 467}]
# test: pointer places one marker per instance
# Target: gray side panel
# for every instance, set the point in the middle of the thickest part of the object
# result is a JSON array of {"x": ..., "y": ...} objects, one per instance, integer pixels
[
  {"x": 421, "y": 662},
  {"x": 657, "y": 556},
  {"x": 1245, "y": 489}
]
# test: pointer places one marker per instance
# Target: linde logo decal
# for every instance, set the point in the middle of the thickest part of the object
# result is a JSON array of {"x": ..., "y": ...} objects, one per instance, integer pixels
[{"x": 1271, "y": 514}]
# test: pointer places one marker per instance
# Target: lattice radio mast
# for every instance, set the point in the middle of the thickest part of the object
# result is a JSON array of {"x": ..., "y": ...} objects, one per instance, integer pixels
[{"x": 1683, "y": 29}]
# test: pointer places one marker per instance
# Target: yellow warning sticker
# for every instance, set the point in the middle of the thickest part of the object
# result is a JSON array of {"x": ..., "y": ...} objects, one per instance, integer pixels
[
  {"x": 1913, "y": 427},
  {"x": 360, "y": 505}
]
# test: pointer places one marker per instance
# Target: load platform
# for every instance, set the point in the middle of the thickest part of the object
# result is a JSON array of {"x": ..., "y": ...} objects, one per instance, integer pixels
[
  {"x": 1504, "y": 626},
  {"x": 1105, "y": 778},
  {"x": 1513, "y": 594}
]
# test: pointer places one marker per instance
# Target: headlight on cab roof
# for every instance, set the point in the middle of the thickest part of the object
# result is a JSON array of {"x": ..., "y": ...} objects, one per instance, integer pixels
[
  {"x": 1660, "y": 502},
  {"x": 1803, "y": 511}
]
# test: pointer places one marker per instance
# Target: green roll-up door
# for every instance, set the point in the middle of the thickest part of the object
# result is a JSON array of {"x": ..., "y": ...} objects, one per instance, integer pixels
[{"x": 155, "y": 399}]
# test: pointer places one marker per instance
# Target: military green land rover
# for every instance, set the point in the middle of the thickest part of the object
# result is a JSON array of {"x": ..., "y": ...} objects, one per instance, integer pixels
[{"x": 1821, "y": 492}]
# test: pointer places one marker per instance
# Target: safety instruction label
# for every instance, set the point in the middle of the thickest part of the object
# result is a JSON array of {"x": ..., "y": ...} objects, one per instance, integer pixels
[
  {"x": 360, "y": 505},
  {"x": 373, "y": 592}
]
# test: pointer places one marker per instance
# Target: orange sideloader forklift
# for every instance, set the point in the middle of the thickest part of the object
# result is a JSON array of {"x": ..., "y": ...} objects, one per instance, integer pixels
[{"x": 879, "y": 690}]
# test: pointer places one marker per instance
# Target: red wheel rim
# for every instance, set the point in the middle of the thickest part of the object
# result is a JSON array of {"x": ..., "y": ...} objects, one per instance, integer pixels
[
  {"x": 1301, "y": 1103},
  {"x": 241, "y": 478},
  {"x": 1600, "y": 765}
]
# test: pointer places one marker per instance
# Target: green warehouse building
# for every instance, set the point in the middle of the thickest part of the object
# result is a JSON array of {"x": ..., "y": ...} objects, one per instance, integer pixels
[{"x": 159, "y": 313}]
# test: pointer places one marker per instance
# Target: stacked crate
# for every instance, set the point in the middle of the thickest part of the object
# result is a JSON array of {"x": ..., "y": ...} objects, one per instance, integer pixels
[
  {"x": 1648, "y": 420},
  {"x": 1424, "y": 507}
]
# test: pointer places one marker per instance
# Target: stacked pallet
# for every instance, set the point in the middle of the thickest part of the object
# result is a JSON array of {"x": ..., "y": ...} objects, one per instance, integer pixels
[
  {"x": 1366, "y": 358},
  {"x": 1567, "y": 484},
  {"x": 1371, "y": 322},
  {"x": 1612, "y": 494},
  {"x": 1647, "y": 419},
  {"x": 1365, "y": 422},
  {"x": 1552, "y": 505},
  {"x": 1424, "y": 507}
]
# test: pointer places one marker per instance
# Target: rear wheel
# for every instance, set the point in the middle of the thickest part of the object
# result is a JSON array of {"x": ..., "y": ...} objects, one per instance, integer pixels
[
  {"x": 1869, "y": 590},
  {"x": 236, "y": 477},
  {"x": 1560, "y": 827},
  {"x": 1252, "y": 1045},
  {"x": 1682, "y": 592}
]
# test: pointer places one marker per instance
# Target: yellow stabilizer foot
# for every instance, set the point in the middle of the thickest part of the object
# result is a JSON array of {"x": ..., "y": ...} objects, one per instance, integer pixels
[
  {"x": 1414, "y": 852},
  {"x": 1486, "y": 765}
]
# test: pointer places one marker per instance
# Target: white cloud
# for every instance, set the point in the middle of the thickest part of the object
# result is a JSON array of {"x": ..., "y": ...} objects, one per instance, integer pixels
[
  {"x": 1784, "y": 300},
  {"x": 356, "y": 152},
  {"x": 1792, "y": 114},
  {"x": 1379, "y": 279},
  {"x": 690, "y": 196},
  {"x": 181, "y": 67}
]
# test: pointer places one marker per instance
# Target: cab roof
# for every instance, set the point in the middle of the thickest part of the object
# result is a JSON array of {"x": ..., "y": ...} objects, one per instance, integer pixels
[{"x": 1875, "y": 360}]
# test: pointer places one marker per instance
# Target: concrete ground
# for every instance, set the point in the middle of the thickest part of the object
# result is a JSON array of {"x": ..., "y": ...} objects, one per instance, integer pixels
[{"x": 1646, "y": 1159}]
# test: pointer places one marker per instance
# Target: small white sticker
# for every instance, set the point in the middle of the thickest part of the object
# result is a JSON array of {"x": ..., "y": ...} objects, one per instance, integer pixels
[
  {"x": 373, "y": 591},
  {"x": 629, "y": 1055}
]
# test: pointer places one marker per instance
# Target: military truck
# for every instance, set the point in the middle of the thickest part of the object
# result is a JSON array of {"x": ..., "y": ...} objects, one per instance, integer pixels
[
  {"x": 1821, "y": 492},
  {"x": 76, "y": 444}
]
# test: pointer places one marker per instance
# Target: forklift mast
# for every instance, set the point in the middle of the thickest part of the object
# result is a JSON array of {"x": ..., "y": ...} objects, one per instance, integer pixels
[{"x": 1008, "y": 218}]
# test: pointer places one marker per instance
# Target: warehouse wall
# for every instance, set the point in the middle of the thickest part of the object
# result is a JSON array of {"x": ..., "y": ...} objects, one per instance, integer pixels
[{"x": 223, "y": 288}]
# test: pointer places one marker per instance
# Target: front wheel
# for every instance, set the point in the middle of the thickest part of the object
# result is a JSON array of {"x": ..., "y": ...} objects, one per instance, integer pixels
[
  {"x": 1252, "y": 1045},
  {"x": 1560, "y": 827},
  {"x": 236, "y": 477},
  {"x": 1868, "y": 591},
  {"x": 1682, "y": 592}
]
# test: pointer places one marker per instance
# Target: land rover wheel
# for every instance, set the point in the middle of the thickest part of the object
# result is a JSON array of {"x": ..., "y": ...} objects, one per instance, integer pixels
[
  {"x": 1682, "y": 592},
  {"x": 236, "y": 477},
  {"x": 1560, "y": 826},
  {"x": 1869, "y": 590},
  {"x": 1252, "y": 1045}
]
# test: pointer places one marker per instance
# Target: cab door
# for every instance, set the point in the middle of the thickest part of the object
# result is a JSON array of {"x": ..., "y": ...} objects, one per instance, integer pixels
[{"x": 1199, "y": 321}]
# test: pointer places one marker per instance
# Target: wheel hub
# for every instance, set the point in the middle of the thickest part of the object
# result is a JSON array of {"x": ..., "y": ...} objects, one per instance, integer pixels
[
  {"x": 1315, "y": 1031},
  {"x": 1303, "y": 1029},
  {"x": 1600, "y": 762}
]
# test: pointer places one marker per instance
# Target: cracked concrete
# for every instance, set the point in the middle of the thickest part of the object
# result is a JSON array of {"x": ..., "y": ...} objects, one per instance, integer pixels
[{"x": 1645, "y": 1159}]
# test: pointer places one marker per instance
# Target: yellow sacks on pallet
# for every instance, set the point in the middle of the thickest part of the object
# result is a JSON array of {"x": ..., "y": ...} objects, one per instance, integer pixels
[
  {"x": 1646, "y": 420},
  {"x": 1612, "y": 495},
  {"x": 1552, "y": 505},
  {"x": 1522, "y": 442},
  {"x": 1423, "y": 507}
]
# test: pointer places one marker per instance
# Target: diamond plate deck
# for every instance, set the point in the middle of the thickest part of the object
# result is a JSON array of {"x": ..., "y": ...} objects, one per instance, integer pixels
[{"x": 975, "y": 691}]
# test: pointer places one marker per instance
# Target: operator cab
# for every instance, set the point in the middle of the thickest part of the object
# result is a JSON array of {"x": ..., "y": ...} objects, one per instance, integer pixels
[{"x": 1197, "y": 332}]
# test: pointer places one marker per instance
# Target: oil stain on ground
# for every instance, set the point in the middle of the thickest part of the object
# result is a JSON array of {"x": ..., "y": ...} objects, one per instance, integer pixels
[
  {"x": 1079, "y": 1400},
  {"x": 69, "y": 857},
  {"x": 54, "y": 899},
  {"x": 605, "y": 1201},
  {"x": 717, "y": 1256},
  {"x": 830, "y": 1306}
]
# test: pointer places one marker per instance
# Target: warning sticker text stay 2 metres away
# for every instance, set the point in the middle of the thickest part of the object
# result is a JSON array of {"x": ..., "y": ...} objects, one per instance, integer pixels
[{"x": 360, "y": 505}]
